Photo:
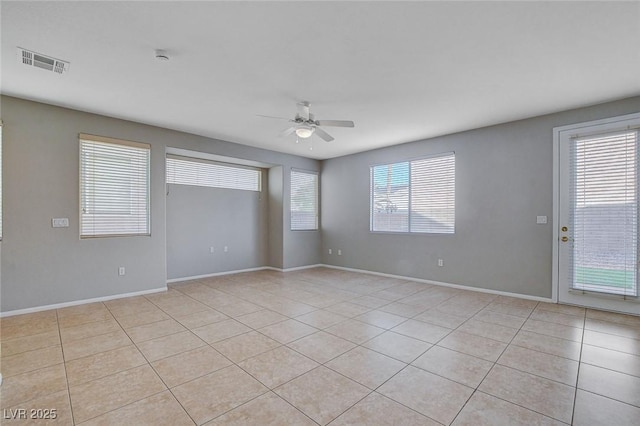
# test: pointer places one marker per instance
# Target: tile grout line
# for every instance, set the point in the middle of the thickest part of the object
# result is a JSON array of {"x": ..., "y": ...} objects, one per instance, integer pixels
[
  {"x": 522, "y": 407},
  {"x": 396, "y": 401},
  {"x": 493, "y": 366},
  {"x": 64, "y": 365},
  {"x": 324, "y": 364},
  {"x": 610, "y": 398},
  {"x": 233, "y": 363},
  {"x": 64, "y": 361},
  {"x": 385, "y": 330},
  {"x": 154, "y": 371},
  {"x": 273, "y": 390},
  {"x": 323, "y": 308},
  {"x": 340, "y": 300},
  {"x": 399, "y": 371},
  {"x": 533, "y": 350},
  {"x": 270, "y": 390},
  {"x": 488, "y": 371},
  {"x": 530, "y": 409},
  {"x": 575, "y": 393},
  {"x": 31, "y": 350}
]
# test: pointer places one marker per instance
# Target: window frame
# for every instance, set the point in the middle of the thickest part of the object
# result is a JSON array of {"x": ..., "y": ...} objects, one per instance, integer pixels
[
  {"x": 409, "y": 195},
  {"x": 83, "y": 137},
  {"x": 316, "y": 196}
]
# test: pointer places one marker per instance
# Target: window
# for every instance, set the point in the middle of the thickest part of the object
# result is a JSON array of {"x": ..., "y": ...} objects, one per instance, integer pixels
[
  {"x": 304, "y": 201},
  {"x": 197, "y": 172},
  {"x": 114, "y": 187},
  {"x": 414, "y": 196}
]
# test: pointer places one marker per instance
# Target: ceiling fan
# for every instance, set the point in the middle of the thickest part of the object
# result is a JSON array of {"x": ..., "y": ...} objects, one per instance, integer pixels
[{"x": 305, "y": 124}]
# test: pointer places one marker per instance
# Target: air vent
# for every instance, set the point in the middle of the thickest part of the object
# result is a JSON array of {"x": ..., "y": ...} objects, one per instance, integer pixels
[
  {"x": 27, "y": 57},
  {"x": 47, "y": 63}
]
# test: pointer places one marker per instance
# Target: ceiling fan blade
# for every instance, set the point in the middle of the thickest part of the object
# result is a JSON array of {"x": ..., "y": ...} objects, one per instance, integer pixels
[
  {"x": 324, "y": 135},
  {"x": 271, "y": 116},
  {"x": 303, "y": 110},
  {"x": 335, "y": 123},
  {"x": 287, "y": 132}
]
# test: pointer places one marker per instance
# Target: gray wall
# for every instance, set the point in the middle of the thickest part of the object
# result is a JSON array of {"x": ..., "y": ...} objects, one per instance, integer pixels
[
  {"x": 504, "y": 179},
  {"x": 199, "y": 218},
  {"x": 42, "y": 265},
  {"x": 276, "y": 216}
]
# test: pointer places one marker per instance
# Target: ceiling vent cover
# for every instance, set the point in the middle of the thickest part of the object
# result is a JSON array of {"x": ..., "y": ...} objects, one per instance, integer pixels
[{"x": 48, "y": 63}]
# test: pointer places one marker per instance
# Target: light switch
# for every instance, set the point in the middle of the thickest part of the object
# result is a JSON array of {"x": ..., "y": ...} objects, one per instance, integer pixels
[
  {"x": 541, "y": 220},
  {"x": 60, "y": 222}
]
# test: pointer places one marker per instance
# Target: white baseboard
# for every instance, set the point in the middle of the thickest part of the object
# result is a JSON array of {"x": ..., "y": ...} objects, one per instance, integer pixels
[
  {"x": 444, "y": 284},
  {"x": 239, "y": 271},
  {"x": 79, "y": 302},
  {"x": 364, "y": 271},
  {"x": 218, "y": 274},
  {"x": 262, "y": 268},
  {"x": 298, "y": 268}
]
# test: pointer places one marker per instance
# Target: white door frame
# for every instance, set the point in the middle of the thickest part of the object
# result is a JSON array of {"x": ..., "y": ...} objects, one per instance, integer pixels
[{"x": 555, "y": 280}]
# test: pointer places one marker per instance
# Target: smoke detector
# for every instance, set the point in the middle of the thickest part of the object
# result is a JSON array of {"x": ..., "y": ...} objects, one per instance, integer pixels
[
  {"x": 48, "y": 63},
  {"x": 161, "y": 55}
]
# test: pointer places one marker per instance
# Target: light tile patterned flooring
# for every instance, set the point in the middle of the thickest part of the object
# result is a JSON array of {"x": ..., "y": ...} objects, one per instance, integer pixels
[{"x": 322, "y": 346}]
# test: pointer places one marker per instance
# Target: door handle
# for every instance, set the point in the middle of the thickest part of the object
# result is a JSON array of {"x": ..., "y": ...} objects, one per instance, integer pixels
[{"x": 565, "y": 239}]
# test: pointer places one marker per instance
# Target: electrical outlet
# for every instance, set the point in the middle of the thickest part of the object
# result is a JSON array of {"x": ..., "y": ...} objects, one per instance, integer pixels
[
  {"x": 330, "y": 251},
  {"x": 60, "y": 222},
  {"x": 339, "y": 252},
  {"x": 440, "y": 262},
  {"x": 121, "y": 271},
  {"x": 211, "y": 250},
  {"x": 226, "y": 249}
]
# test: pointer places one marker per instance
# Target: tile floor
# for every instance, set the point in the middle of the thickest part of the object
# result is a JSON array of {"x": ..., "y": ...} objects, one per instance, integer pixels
[{"x": 321, "y": 346}]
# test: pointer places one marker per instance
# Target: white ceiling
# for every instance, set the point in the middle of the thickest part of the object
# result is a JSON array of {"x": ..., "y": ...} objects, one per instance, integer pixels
[{"x": 402, "y": 71}]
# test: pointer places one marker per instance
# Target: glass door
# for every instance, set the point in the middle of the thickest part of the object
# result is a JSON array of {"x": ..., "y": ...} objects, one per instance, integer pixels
[{"x": 597, "y": 242}]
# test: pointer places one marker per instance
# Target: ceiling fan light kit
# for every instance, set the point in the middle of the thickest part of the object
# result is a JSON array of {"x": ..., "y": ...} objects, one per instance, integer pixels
[{"x": 304, "y": 131}]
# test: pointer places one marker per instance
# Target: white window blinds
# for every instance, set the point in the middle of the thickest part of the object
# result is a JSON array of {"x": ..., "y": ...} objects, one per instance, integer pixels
[
  {"x": 604, "y": 213},
  {"x": 304, "y": 201},
  {"x": 197, "y": 172},
  {"x": 390, "y": 187},
  {"x": 114, "y": 187},
  {"x": 414, "y": 196}
]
